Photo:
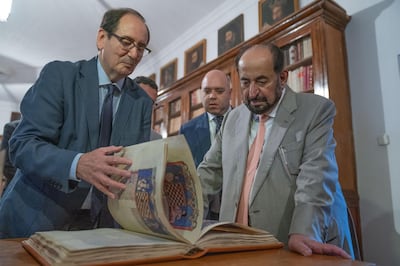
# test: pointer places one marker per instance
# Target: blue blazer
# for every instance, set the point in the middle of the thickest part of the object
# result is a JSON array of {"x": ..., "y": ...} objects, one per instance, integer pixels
[
  {"x": 197, "y": 134},
  {"x": 60, "y": 118}
]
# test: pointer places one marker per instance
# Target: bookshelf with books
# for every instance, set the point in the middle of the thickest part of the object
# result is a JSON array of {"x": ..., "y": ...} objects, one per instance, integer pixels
[
  {"x": 313, "y": 40},
  {"x": 298, "y": 61}
]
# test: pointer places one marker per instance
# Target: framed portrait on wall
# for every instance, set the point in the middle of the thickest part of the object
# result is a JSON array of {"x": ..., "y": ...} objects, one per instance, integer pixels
[
  {"x": 153, "y": 77},
  {"x": 195, "y": 56},
  {"x": 15, "y": 116},
  {"x": 230, "y": 35},
  {"x": 168, "y": 74},
  {"x": 272, "y": 11}
]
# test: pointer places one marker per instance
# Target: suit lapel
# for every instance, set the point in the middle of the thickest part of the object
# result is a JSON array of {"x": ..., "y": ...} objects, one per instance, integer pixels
[
  {"x": 203, "y": 131},
  {"x": 242, "y": 129},
  {"x": 281, "y": 123},
  {"x": 89, "y": 85}
]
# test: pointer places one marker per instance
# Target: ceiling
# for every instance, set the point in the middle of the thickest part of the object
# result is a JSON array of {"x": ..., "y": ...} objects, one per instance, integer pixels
[{"x": 44, "y": 30}]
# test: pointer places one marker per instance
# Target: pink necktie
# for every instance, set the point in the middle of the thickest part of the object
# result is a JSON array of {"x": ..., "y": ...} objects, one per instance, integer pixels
[{"x": 252, "y": 162}]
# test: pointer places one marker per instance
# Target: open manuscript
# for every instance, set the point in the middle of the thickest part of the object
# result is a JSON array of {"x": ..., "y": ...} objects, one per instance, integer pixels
[{"x": 161, "y": 213}]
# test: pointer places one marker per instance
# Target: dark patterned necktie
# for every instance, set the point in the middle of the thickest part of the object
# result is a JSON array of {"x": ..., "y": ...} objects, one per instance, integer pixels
[
  {"x": 106, "y": 118},
  {"x": 100, "y": 214},
  {"x": 218, "y": 120}
]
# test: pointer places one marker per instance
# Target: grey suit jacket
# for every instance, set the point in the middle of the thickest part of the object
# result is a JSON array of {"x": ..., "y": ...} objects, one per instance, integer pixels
[
  {"x": 61, "y": 119},
  {"x": 296, "y": 188}
]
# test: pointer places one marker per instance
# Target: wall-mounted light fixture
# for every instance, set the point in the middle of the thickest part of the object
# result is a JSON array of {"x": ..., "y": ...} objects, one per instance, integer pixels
[{"x": 5, "y": 9}]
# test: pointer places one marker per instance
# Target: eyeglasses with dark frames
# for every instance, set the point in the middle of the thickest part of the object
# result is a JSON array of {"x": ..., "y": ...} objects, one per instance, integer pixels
[{"x": 128, "y": 44}]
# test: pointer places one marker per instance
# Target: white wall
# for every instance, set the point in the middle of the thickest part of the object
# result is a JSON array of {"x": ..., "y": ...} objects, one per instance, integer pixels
[
  {"x": 373, "y": 46},
  {"x": 207, "y": 29}
]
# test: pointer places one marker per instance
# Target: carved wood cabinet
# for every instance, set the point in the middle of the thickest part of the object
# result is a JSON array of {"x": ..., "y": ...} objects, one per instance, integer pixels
[{"x": 313, "y": 40}]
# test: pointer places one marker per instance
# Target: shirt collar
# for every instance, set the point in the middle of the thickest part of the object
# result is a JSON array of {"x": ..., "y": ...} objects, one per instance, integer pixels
[
  {"x": 211, "y": 116},
  {"x": 103, "y": 78}
]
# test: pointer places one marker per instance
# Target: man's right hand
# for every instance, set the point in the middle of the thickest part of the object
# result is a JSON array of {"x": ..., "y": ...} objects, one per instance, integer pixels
[{"x": 97, "y": 166}]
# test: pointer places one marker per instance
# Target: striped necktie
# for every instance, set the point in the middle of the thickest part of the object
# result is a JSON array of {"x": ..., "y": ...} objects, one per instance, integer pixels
[
  {"x": 100, "y": 214},
  {"x": 218, "y": 120},
  {"x": 106, "y": 118}
]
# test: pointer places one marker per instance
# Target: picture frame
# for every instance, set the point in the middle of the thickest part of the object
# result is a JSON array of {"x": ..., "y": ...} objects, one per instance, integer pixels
[
  {"x": 152, "y": 77},
  {"x": 15, "y": 116},
  {"x": 272, "y": 11},
  {"x": 195, "y": 56},
  {"x": 230, "y": 35},
  {"x": 168, "y": 74}
]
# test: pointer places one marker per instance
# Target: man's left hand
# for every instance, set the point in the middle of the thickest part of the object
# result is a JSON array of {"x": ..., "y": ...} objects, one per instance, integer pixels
[{"x": 307, "y": 246}]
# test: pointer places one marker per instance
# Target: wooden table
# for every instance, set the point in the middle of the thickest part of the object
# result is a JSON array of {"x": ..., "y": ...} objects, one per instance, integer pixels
[{"x": 12, "y": 253}]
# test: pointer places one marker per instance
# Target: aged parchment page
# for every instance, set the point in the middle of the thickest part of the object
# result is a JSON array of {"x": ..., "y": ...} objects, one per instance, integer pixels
[{"x": 163, "y": 195}]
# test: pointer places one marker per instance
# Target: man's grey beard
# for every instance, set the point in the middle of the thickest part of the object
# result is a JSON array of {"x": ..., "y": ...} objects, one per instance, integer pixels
[{"x": 265, "y": 108}]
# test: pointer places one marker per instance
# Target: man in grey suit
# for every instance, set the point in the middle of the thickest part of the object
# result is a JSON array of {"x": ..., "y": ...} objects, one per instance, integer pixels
[
  {"x": 151, "y": 88},
  {"x": 295, "y": 193},
  {"x": 56, "y": 145}
]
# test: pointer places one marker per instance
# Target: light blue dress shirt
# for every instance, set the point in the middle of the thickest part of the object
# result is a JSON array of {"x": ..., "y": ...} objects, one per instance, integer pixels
[{"x": 103, "y": 82}]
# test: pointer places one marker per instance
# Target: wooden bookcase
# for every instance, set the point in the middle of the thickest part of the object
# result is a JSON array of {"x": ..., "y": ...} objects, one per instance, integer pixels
[{"x": 313, "y": 39}]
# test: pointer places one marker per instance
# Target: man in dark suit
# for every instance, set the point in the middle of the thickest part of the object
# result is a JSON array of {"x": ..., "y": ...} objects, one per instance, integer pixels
[
  {"x": 291, "y": 188},
  {"x": 151, "y": 88},
  {"x": 57, "y": 147},
  {"x": 200, "y": 131},
  {"x": 9, "y": 169}
]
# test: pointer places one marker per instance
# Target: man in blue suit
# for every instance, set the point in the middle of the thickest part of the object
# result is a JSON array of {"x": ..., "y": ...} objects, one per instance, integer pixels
[
  {"x": 200, "y": 131},
  {"x": 56, "y": 146}
]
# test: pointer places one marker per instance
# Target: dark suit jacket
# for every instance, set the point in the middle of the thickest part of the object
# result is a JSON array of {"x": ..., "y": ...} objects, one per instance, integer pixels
[
  {"x": 60, "y": 118},
  {"x": 9, "y": 169},
  {"x": 154, "y": 135},
  {"x": 197, "y": 134}
]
